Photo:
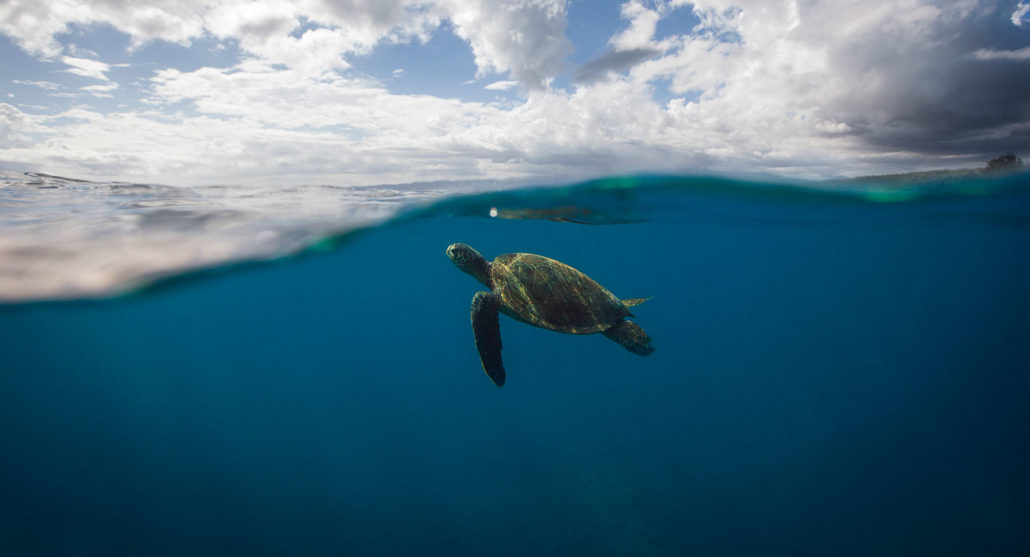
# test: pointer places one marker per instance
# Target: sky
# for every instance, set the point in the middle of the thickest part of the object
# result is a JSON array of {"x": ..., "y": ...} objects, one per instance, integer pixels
[{"x": 352, "y": 92}]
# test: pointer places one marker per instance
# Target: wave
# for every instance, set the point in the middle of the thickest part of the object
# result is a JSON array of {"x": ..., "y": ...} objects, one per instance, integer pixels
[{"x": 65, "y": 238}]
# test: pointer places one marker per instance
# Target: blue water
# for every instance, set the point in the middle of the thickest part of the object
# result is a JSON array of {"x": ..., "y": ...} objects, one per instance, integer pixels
[{"x": 834, "y": 375}]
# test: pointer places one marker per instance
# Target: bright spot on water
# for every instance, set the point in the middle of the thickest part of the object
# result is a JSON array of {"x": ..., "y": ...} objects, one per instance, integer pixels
[{"x": 493, "y": 211}]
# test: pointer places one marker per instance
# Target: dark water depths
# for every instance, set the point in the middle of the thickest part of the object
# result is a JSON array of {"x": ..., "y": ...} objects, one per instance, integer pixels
[{"x": 833, "y": 376}]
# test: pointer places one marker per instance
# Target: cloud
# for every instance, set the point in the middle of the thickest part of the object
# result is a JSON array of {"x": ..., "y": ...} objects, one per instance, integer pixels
[
  {"x": 47, "y": 85},
  {"x": 101, "y": 90},
  {"x": 257, "y": 123},
  {"x": 643, "y": 22},
  {"x": 34, "y": 25},
  {"x": 524, "y": 37},
  {"x": 501, "y": 85},
  {"x": 15, "y": 127},
  {"x": 316, "y": 36},
  {"x": 86, "y": 68},
  {"x": 613, "y": 61},
  {"x": 886, "y": 77},
  {"x": 908, "y": 83},
  {"x": 801, "y": 88},
  {"x": 1020, "y": 14},
  {"x": 991, "y": 54}
]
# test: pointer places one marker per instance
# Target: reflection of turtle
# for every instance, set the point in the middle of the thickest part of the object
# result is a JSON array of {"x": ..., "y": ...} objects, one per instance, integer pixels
[{"x": 545, "y": 293}]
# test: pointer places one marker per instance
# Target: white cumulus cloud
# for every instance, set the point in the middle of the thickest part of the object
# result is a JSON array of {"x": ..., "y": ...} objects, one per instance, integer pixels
[
  {"x": 1020, "y": 14},
  {"x": 524, "y": 37},
  {"x": 991, "y": 54},
  {"x": 643, "y": 22},
  {"x": 501, "y": 85},
  {"x": 86, "y": 68}
]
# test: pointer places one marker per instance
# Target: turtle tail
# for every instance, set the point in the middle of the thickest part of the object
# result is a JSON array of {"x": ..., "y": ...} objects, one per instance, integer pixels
[{"x": 635, "y": 301}]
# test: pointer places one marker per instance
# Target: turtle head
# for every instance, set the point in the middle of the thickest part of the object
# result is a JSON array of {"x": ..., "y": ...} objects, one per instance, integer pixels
[{"x": 470, "y": 261}]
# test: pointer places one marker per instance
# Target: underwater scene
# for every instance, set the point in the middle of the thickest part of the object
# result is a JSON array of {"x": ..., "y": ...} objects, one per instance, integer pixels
[{"x": 839, "y": 368}]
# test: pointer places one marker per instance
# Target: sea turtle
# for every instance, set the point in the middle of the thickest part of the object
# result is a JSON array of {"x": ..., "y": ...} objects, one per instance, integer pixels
[{"x": 546, "y": 293}]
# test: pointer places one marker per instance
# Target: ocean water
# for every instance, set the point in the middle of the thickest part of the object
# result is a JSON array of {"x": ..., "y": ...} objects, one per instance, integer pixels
[{"x": 840, "y": 369}]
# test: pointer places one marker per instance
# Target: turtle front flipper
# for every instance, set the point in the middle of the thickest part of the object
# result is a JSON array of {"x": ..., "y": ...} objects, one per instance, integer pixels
[{"x": 487, "y": 328}]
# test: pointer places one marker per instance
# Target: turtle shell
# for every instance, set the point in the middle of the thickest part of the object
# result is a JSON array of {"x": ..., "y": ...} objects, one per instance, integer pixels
[{"x": 550, "y": 294}]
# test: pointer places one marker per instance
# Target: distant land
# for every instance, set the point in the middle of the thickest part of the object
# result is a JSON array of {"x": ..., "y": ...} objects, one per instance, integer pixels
[{"x": 1008, "y": 162}]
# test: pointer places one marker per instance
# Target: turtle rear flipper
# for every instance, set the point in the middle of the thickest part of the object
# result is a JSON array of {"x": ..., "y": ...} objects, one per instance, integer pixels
[
  {"x": 632, "y": 336},
  {"x": 487, "y": 328}
]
